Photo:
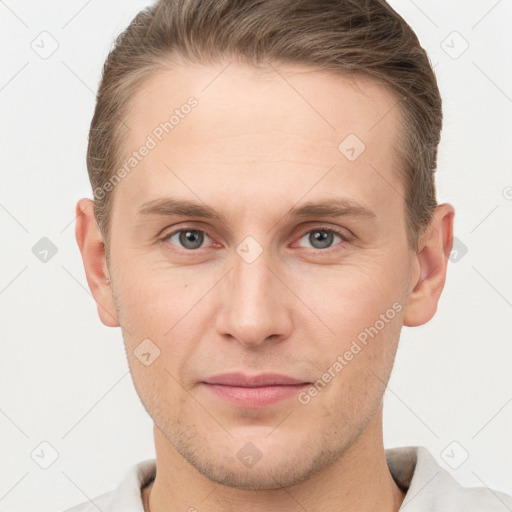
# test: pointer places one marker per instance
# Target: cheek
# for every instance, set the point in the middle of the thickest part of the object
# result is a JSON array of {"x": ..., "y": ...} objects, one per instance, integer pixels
[
  {"x": 152, "y": 300},
  {"x": 161, "y": 307},
  {"x": 362, "y": 307},
  {"x": 356, "y": 371},
  {"x": 353, "y": 296}
]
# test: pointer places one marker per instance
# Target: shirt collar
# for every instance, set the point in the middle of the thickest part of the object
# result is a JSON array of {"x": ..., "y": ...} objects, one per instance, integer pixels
[{"x": 413, "y": 468}]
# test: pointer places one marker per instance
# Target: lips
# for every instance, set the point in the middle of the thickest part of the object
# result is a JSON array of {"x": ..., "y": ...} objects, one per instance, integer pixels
[
  {"x": 247, "y": 381},
  {"x": 253, "y": 392}
]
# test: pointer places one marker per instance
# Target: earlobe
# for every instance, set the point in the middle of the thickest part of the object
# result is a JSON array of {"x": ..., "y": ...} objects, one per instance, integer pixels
[
  {"x": 430, "y": 263},
  {"x": 92, "y": 249}
]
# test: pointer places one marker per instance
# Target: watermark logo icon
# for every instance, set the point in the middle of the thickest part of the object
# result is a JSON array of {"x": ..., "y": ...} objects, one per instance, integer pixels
[
  {"x": 44, "y": 455},
  {"x": 249, "y": 454},
  {"x": 459, "y": 250},
  {"x": 454, "y": 45},
  {"x": 249, "y": 249},
  {"x": 455, "y": 455},
  {"x": 146, "y": 352},
  {"x": 45, "y": 45},
  {"x": 44, "y": 250},
  {"x": 351, "y": 147}
]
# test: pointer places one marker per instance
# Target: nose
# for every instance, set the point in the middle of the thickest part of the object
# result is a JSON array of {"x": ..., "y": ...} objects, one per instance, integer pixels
[{"x": 256, "y": 303}]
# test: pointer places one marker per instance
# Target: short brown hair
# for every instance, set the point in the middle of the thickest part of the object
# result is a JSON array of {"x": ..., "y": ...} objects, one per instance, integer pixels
[{"x": 348, "y": 37}]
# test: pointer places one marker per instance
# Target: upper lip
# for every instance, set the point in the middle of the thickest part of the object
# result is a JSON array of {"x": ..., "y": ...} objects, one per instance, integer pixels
[{"x": 251, "y": 381}]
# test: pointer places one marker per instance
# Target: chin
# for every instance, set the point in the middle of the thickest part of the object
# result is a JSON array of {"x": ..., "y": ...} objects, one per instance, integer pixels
[
  {"x": 268, "y": 476},
  {"x": 277, "y": 465}
]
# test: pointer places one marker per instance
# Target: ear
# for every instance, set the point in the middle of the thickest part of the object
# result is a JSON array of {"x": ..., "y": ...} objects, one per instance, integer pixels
[
  {"x": 429, "y": 267},
  {"x": 93, "y": 256}
]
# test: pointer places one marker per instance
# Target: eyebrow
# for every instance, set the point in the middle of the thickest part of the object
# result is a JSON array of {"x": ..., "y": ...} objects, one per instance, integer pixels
[{"x": 335, "y": 207}]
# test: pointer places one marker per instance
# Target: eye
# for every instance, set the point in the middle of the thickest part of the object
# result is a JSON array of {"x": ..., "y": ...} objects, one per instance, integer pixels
[
  {"x": 187, "y": 238},
  {"x": 322, "y": 238},
  {"x": 192, "y": 239}
]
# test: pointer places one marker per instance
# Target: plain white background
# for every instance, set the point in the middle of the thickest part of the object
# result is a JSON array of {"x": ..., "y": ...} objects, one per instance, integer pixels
[{"x": 64, "y": 375}]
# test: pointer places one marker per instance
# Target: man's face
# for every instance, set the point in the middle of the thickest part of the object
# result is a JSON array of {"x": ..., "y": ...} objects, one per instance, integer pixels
[{"x": 259, "y": 289}]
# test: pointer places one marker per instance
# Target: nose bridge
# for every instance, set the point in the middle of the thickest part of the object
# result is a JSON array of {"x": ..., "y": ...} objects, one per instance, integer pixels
[{"x": 255, "y": 302}]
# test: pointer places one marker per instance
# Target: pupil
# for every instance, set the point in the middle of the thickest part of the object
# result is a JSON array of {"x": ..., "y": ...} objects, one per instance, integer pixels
[
  {"x": 191, "y": 239},
  {"x": 323, "y": 238}
]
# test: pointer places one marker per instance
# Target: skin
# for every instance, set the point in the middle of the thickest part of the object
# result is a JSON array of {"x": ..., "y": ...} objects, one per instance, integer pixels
[{"x": 260, "y": 142}]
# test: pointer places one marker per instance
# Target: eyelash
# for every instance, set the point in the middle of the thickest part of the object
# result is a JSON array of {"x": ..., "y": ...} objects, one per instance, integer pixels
[{"x": 343, "y": 236}]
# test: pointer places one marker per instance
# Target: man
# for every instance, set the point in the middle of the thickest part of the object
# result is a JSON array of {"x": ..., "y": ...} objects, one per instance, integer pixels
[{"x": 264, "y": 224}]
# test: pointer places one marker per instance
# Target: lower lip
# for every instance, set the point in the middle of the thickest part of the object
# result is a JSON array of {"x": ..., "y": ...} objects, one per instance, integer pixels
[{"x": 256, "y": 397}]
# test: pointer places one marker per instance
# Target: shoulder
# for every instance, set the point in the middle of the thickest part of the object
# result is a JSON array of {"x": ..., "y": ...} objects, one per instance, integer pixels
[
  {"x": 432, "y": 488},
  {"x": 101, "y": 502},
  {"x": 127, "y": 496},
  {"x": 482, "y": 498}
]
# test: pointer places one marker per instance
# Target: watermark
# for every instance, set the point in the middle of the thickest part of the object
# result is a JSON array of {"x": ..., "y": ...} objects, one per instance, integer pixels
[
  {"x": 151, "y": 142},
  {"x": 249, "y": 454},
  {"x": 351, "y": 147},
  {"x": 454, "y": 45},
  {"x": 459, "y": 250},
  {"x": 455, "y": 455},
  {"x": 44, "y": 250},
  {"x": 304, "y": 397},
  {"x": 249, "y": 249},
  {"x": 146, "y": 352},
  {"x": 44, "y": 454},
  {"x": 44, "y": 45}
]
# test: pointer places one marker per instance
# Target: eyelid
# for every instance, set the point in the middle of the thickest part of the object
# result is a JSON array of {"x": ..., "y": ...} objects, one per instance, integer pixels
[
  {"x": 342, "y": 232},
  {"x": 167, "y": 236},
  {"x": 346, "y": 238}
]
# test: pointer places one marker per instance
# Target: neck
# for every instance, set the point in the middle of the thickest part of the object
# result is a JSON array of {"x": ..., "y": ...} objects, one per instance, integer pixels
[{"x": 358, "y": 480}]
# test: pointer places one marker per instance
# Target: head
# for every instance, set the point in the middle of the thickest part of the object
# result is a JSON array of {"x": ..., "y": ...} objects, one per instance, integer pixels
[{"x": 267, "y": 116}]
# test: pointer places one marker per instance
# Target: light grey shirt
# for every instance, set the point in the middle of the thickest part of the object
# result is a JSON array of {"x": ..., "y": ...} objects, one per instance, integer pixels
[{"x": 429, "y": 487}]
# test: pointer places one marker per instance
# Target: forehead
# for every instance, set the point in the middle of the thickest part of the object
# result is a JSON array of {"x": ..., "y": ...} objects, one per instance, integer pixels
[
  {"x": 329, "y": 106},
  {"x": 255, "y": 130}
]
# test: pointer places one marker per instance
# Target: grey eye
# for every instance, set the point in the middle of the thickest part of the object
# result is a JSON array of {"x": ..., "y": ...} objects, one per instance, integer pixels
[
  {"x": 321, "y": 238},
  {"x": 189, "y": 238}
]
